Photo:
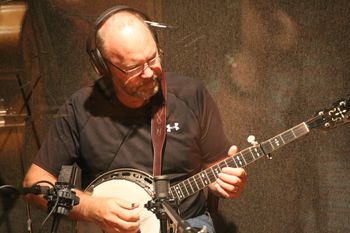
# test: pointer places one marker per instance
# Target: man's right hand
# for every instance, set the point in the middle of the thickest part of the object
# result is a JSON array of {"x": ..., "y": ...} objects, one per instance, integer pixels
[{"x": 112, "y": 215}]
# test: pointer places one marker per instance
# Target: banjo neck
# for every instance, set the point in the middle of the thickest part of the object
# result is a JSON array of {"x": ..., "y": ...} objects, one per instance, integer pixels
[
  {"x": 329, "y": 118},
  {"x": 249, "y": 155}
]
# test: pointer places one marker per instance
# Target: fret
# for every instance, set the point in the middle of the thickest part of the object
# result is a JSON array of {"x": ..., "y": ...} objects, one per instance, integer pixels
[
  {"x": 248, "y": 156},
  {"x": 243, "y": 158},
  {"x": 272, "y": 145},
  {"x": 188, "y": 180},
  {"x": 255, "y": 152},
  {"x": 277, "y": 141},
  {"x": 282, "y": 140},
  {"x": 173, "y": 188},
  {"x": 288, "y": 136},
  {"x": 205, "y": 178},
  {"x": 211, "y": 174},
  {"x": 198, "y": 177},
  {"x": 293, "y": 133},
  {"x": 233, "y": 158},
  {"x": 302, "y": 129},
  {"x": 226, "y": 163},
  {"x": 250, "y": 149},
  {"x": 239, "y": 160},
  {"x": 258, "y": 152},
  {"x": 234, "y": 164},
  {"x": 216, "y": 170},
  {"x": 195, "y": 182},
  {"x": 172, "y": 196},
  {"x": 178, "y": 191},
  {"x": 222, "y": 164},
  {"x": 184, "y": 188}
]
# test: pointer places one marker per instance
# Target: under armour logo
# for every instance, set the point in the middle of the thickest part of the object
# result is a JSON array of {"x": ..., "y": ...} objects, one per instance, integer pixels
[{"x": 169, "y": 128}]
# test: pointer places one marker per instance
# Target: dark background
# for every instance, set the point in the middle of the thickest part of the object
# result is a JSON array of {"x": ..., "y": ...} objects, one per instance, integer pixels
[{"x": 270, "y": 65}]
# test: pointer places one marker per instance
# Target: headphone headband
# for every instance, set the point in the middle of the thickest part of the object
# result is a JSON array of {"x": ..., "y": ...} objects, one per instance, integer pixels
[{"x": 113, "y": 10}]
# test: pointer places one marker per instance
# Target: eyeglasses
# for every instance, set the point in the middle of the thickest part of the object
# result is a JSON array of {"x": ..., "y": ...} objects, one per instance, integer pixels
[{"x": 138, "y": 69}]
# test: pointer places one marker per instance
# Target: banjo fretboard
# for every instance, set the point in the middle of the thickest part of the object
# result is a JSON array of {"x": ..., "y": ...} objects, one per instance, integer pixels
[{"x": 202, "y": 179}]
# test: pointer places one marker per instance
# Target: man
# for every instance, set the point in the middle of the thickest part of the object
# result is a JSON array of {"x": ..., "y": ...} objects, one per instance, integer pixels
[{"x": 101, "y": 133}]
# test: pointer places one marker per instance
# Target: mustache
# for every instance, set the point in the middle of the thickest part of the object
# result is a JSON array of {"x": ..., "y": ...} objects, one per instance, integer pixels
[{"x": 154, "y": 78}]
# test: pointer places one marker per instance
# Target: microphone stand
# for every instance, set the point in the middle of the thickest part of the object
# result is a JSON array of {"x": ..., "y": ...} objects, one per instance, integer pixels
[
  {"x": 61, "y": 200},
  {"x": 182, "y": 225},
  {"x": 160, "y": 205}
]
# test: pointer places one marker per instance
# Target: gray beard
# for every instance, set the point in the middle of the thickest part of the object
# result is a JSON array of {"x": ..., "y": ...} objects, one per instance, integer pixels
[{"x": 147, "y": 97}]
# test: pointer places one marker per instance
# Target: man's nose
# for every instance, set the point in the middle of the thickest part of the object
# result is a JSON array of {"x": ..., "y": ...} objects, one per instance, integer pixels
[{"x": 147, "y": 72}]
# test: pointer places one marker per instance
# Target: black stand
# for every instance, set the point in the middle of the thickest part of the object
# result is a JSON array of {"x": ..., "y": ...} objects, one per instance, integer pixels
[
  {"x": 55, "y": 223},
  {"x": 161, "y": 205},
  {"x": 182, "y": 225},
  {"x": 61, "y": 199}
]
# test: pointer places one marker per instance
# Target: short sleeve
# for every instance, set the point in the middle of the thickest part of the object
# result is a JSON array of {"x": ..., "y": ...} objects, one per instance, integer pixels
[
  {"x": 213, "y": 141},
  {"x": 61, "y": 144}
]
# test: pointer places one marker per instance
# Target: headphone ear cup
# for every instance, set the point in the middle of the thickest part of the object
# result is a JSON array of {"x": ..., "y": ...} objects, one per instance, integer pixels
[
  {"x": 99, "y": 65},
  {"x": 98, "y": 62},
  {"x": 95, "y": 55}
]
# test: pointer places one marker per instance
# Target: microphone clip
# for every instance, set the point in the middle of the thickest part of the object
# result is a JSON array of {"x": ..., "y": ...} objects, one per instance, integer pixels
[{"x": 61, "y": 198}]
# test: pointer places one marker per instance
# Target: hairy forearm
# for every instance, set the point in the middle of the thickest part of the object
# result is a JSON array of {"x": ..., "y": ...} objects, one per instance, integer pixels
[
  {"x": 36, "y": 174},
  {"x": 82, "y": 211},
  {"x": 36, "y": 200},
  {"x": 78, "y": 212}
]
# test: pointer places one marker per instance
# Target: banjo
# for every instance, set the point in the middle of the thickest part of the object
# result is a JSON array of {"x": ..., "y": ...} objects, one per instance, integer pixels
[{"x": 137, "y": 186}]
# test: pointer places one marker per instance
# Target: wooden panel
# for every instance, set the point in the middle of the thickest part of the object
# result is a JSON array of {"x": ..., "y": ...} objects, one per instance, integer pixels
[{"x": 11, "y": 20}]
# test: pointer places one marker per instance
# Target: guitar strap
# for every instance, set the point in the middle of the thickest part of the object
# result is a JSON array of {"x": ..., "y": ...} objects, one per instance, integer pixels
[{"x": 158, "y": 132}]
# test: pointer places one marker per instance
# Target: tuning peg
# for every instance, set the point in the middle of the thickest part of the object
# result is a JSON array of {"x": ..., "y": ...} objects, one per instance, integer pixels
[{"x": 251, "y": 140}]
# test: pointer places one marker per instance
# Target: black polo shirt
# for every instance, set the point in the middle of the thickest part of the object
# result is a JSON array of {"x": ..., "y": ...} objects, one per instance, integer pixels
[{"x": 101, "y": 135}]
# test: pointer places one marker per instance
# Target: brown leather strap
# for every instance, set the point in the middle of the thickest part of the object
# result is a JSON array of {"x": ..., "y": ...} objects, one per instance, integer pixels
[{"x": 158, "y": 132}]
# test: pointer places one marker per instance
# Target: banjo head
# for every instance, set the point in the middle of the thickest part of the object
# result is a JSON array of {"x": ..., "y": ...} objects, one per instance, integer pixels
[{"x": 128, "y": 184}]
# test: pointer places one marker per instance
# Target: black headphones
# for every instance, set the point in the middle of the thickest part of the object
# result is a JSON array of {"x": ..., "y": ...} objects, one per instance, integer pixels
[{"x": 95, "y": 55}]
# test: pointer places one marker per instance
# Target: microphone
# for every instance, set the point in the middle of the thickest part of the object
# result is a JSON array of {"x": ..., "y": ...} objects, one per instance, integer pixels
[
  {"x": 161, "y": 186},
  {"x": 35, "y": 189},
  {"x": 159, "y": 25}
]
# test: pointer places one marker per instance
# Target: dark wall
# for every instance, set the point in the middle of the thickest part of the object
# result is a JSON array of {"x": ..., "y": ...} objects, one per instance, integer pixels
[{"x": 269, "y": 65}]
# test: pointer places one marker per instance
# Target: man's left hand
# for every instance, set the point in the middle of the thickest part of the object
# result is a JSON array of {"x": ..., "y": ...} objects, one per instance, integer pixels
[{"x": 231, "y": 181}]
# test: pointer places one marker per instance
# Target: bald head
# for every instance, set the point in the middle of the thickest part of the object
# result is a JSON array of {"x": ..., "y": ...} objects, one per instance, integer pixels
[
  {"x": 130, "y": 52},
  {"x": 121, "y": 31}
]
